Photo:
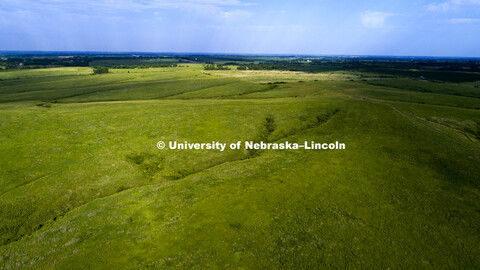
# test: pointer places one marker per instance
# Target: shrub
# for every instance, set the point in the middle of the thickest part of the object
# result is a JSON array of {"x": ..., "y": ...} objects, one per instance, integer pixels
[{"x": 100, "y": 70}]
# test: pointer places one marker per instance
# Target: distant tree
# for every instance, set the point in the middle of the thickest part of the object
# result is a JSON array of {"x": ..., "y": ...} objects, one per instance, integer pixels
[
  {"x": 242, "y": 68},
  {"x": 100, "y": 70},
  {"x": 209, "y": 67}
]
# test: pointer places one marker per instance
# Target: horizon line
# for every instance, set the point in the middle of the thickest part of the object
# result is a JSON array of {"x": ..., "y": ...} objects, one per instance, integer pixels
[{"x": 79, "y": 52}]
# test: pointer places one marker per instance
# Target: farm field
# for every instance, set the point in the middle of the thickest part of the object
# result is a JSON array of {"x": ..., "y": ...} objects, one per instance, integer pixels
[{"x": 84, "y": 186}]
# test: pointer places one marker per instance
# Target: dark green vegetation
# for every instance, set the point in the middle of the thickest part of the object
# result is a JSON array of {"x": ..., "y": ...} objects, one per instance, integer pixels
[
  {"x": 100, "y": 70},
  {"x": 215, "y": 67},
  {"x": 82, "y": 184}
]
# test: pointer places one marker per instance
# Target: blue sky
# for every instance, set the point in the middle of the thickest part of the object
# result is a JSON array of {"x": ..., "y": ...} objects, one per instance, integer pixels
[{"x": 408, "y": 27}]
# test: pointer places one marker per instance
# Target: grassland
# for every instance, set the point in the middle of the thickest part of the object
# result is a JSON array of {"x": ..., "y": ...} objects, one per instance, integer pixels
[{"x": 83, "y": 186}]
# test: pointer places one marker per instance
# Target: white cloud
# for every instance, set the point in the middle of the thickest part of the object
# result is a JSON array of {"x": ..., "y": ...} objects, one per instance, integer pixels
[
  {"x": 474, "y": 2},
  {"x": 235, "y": 14},
  {"x": 289, "y": 27},
  {"x": 220, "y": 8},
  {"x": 450, "y": 5},
  {"x": 464, "y": 20},
  {"x": 444, "y": 6},
  {"x": 373, "y": 19}
]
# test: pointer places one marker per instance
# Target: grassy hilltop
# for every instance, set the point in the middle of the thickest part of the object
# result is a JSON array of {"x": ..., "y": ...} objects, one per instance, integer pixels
[{"x": 83, "y": 185}]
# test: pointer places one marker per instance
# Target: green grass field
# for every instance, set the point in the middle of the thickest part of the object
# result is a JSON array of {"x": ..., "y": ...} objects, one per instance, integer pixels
[{"x": 83, "y": 185}]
